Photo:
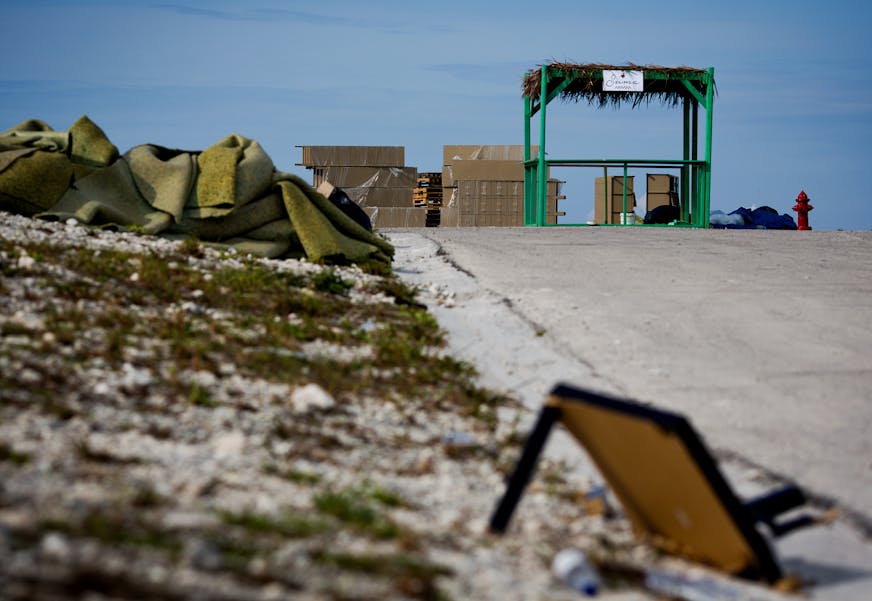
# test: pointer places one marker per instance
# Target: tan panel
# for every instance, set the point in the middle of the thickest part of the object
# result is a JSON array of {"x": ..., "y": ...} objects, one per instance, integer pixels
[{"x": 659, "y": 485}]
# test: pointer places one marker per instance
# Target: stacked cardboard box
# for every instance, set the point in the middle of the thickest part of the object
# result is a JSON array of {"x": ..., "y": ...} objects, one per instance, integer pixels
[
  {"x": 372, "y": 176},
  {"x": 485, "y": 203},
  {"x": 662, "y": 189},
  {"x": 609, "y": 199},
  {"x": 483, "y": 185}
]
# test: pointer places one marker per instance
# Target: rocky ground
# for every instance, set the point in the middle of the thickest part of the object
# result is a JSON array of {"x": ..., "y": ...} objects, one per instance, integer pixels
[{"x": 180, "y": 422}]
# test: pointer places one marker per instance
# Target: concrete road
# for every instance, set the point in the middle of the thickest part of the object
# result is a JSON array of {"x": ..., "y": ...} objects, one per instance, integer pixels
[{"x": 762, "y": 338}]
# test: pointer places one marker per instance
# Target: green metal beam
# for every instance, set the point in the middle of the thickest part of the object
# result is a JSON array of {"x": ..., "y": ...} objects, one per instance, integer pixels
[
  {"x": 534, "y": 108},
  {"x": 695, "y": 93}
]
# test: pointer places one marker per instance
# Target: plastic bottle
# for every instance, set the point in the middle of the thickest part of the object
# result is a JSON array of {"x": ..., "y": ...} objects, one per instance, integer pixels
[{"x": 572, "y": 567}]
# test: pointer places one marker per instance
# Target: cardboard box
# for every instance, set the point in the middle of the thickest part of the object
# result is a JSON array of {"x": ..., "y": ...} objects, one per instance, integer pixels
[
  {"x": 449, "y": 217},
  {"x": 659, "y": 199},
  {"x": 449, "y": 197},
  {"x": 613, "y": 195},
  {"x": 662, "y": 189},
  {"x": 353, "y": 156},
  {"x": 371, "y": 177},
  {"x": 485, "y": 152},
  {"x": 486, "y": 188},
  {"x": 660, "y": 183},
  {"x": 383, "y": 217},
  {"x": 380, "y": 197},
  {"x": 485, "y": 170}
]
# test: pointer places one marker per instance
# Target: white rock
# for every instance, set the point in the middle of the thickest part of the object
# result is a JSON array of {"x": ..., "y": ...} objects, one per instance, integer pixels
[
  {"x": 228, "y": 444},
  {"x": 26, "y": 262},
  {"x": 311, "y": 397},
  {"x": 55, "y": 546}
]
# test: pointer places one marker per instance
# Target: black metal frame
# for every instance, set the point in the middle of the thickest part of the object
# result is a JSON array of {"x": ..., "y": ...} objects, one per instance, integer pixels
[{"x": 745, "y": 515}]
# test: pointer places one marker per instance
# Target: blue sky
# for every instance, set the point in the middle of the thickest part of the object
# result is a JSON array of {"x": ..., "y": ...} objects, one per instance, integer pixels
[{"x": 793, "y": 111}]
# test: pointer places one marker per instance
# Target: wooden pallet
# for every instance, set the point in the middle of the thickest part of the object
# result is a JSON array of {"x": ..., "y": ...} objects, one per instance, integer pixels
[
  {"x": 428, "y": 195},
  {"x": 425, "y": 191},
  {"x": 433, "y": 218},
  {"x": 430, "y": 178}
]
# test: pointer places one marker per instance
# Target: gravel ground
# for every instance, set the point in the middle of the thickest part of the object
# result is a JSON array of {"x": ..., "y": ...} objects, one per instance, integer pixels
[{"x": 125, "y": 474}]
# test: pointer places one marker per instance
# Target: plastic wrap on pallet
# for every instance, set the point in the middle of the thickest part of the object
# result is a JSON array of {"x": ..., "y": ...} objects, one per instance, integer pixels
[
  {"x": 383, "y": 217},
  {"x": 380, "y": 197},
  {"x": 373, "y": 177},
  {"x": 488, "y": 170}
]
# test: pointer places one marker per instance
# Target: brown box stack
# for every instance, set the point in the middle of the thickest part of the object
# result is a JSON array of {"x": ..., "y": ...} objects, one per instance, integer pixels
[
  {"x": 371, "y": 176},
  {"x": 662, "y": 189},
  {"x": 483, "y": 185},
  {"x": 614, "y": 198}
]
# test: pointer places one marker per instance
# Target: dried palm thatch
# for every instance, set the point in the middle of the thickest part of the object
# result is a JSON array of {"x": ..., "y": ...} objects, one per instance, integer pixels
[{"x": 586, "y": 84}]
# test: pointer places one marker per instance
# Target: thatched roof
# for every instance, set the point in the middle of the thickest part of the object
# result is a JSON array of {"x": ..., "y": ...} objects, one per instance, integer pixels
[{"x": 662, "y": 84}]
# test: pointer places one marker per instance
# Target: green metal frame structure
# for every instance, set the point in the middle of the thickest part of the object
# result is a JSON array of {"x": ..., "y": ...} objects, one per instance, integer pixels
[{"x": 688, "y": 87}]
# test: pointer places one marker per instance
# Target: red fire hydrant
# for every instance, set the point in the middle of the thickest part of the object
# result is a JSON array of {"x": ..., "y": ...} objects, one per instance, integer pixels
[{"x": 802, "y": 208}]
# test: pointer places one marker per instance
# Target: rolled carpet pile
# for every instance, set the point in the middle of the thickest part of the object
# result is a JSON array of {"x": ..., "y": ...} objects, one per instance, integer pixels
[{"x": 228, "y": 194}]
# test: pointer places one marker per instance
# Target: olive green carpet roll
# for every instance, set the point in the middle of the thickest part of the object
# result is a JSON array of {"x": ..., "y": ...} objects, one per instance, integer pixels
[{"x": 229, "y": 194}]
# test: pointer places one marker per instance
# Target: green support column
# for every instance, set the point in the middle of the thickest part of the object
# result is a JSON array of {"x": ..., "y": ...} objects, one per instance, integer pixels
[
  {"x": 685, "y": 170},
  {"x": 624, "y": 206},
  {"x": 528, "y": 171},
  {"x": 709, "y": 106},
  {"x": 541, "y": 187},
  {"x": 694, "y": 146}
]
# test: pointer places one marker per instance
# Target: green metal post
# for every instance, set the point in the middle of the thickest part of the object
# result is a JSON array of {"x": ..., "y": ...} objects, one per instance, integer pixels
[
  {"x": 542, "y": 170},
  {"x": 695, "y": 144},
  {"x": 709, "y": 106},
  {"x": 685, "y": 169},
  {"x": 624, "y": 208},
  {"x": 528, "y": 171}
]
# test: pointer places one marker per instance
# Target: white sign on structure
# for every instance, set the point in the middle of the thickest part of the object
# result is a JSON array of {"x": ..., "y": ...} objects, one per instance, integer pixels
[{"x": 622, "y": 81}]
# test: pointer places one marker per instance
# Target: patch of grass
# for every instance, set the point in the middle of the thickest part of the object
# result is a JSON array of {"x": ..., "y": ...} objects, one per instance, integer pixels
[
  {"x": 297, "y": 476},
  {"x": 413, "y": 576},
  {"x": 388, "y": 498},
  {"x": 197, "y": 395},
  {"x": 402, "y": 293},
  {"x": 355, "y": 507},
  {"x": 235, "y": 554},
  {"x": 328, "y": 281},
  {"x": 383, "y": 564},
  {"x": 191, "y": 247},
  {"x": 115, "y": 528},
  {"x": 292, "y": 525}
]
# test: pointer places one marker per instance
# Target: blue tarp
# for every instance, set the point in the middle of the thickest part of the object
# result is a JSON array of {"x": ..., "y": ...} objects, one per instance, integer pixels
[{"x": 758, "y": 218}]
